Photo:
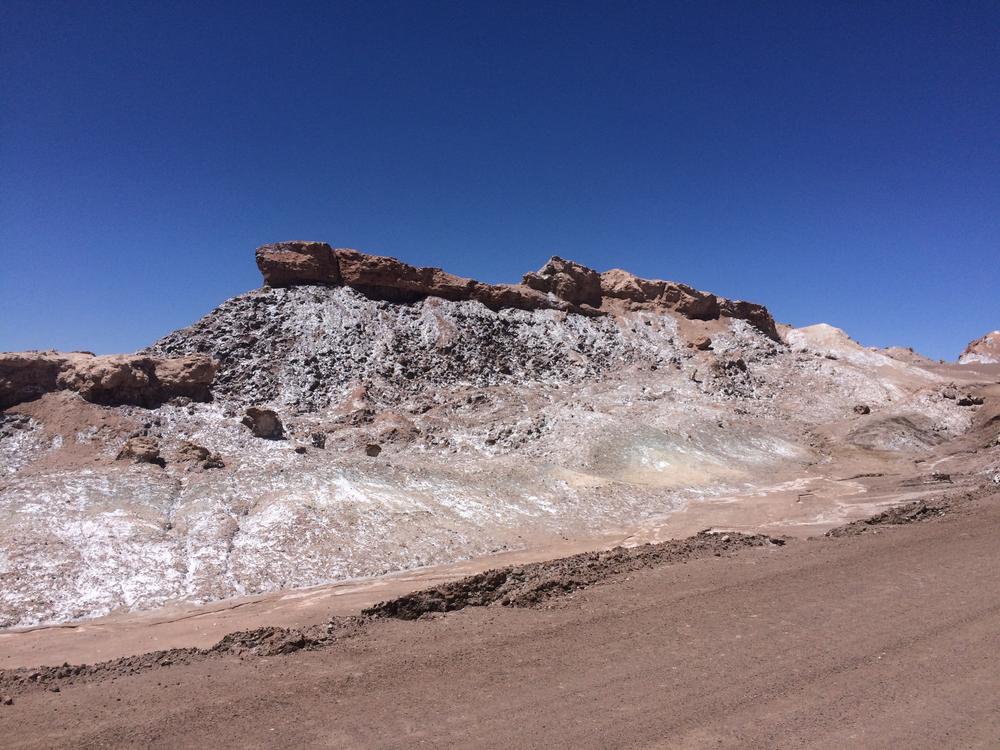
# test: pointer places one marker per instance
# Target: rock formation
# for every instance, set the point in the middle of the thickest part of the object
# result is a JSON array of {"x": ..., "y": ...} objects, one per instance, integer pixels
[
  {"x": 298, "y": 262},
  {"x": 635, "y": 293},
  {"x": 264, "y": 423},
  {"x": 984, "y": 350},
  {"x": 110, "y": 380},
  {"x": 559, "y": 285},
  {"x": 198, "y": 456},
  {"x": 567, "y": 280},
  {"x": 141, "y": 450}
]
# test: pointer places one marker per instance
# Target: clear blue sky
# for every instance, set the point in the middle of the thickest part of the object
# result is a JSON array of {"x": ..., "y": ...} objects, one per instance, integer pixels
[{"x": 837, "y": 161}]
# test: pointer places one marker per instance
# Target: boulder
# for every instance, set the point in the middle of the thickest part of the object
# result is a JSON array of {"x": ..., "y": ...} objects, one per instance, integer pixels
[
  {"x": 185, "y": 377},
  {"x": 264, "y": 423},
  {"x": 111, "y": 380},
  {"x": 198, "y": 456},
  {"x": 297, "y": 262},
  {"x": 141, "y": 450}
]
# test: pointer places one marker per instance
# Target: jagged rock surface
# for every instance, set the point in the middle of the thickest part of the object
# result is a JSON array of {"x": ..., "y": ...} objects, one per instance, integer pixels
[{"x": 304, "y": 346}]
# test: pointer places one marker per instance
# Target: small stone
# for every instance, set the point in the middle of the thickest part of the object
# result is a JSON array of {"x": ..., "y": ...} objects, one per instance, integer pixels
[
  {"x": 373, "y": 449},
  {"x": 264, "y": 423},
  {"x": 318, "y": 439},
  {"x": 199, "y": 455},
  {"x": 6, "y": 700},
  {"x": 862, "y": 409},
  {"x": 141, "y": 450},
  {"x": 702, "y": 343},
  {"x": 300, "y": 449}
]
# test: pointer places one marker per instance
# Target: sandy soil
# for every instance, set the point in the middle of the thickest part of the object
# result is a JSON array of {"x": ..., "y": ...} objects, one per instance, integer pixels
[{"x": 883, "y": 639}]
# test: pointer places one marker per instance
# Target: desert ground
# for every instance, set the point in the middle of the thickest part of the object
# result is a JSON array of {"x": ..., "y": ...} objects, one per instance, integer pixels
[{"x": 886, "y": 639}]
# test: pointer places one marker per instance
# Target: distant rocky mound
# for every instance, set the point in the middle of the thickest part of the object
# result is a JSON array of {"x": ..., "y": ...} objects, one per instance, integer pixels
[{"x": 984, "y": 350}]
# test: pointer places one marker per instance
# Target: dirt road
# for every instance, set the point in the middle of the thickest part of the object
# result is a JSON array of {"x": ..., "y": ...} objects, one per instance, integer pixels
[{"x": 881, "y": 640}]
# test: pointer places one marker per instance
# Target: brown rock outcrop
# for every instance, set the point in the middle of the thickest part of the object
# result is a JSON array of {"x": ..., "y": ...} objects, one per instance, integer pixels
[
  {"x": 141, "y": 450},
  {"x": 559, "y": 285},
  {"x": 390, "y": 279},
  {"x": 567, "y": 280},
  {"x": 636, "y": 293},
  {"x": 110, "y": 380},
  {"x": 521, "y": 297},
  {"x": 297, "y": 262}
]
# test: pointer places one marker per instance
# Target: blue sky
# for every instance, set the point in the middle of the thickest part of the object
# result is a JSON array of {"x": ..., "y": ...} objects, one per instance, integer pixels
[{"x": 838, "y": 162}]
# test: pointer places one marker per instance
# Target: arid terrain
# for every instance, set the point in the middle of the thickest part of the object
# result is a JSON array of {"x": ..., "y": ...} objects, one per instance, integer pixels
[{"x": 374, "y": 505}]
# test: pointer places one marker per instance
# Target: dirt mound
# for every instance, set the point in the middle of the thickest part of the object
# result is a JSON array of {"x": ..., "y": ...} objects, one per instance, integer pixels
[
  {"x": 267, "y": 641},
  {"x": 529, "y": 585},
  {"x": 903, "y": 514},
  {"x": 272, "y": 641}
]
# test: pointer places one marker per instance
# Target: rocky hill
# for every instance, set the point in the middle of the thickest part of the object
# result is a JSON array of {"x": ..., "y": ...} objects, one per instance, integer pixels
[
  {"x": 984, "y": 350},
  {"x": 357, "y": 415}
]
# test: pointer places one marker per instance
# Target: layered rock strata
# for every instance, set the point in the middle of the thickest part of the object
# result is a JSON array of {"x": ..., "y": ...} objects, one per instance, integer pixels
[{"x": 559, "y": 285}]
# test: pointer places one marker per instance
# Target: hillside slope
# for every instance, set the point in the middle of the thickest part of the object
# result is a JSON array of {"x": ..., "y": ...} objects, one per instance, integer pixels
[{"x": 418, "y": 429}]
